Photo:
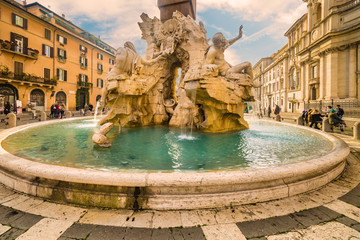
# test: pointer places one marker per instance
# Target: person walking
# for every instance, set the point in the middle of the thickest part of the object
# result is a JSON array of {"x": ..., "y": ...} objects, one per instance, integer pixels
[
  {"x": 269, "y": 111},
  {"x": 277, "y": 113},
  {"x": 7, "y": 108}
]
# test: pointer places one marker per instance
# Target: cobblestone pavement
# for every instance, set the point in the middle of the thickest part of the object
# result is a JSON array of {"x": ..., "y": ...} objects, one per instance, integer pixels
[{"x": 331, "y": 212}]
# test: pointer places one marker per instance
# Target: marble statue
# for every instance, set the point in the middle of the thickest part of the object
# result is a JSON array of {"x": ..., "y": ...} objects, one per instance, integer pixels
[{"x": 209, "y": 94}]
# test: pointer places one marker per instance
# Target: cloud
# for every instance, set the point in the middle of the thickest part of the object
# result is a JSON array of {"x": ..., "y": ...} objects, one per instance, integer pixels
[
  {"x": 232, "y": 57},
  {"x": 277, "y": 15},
  {"x": 117, "y": 18}
]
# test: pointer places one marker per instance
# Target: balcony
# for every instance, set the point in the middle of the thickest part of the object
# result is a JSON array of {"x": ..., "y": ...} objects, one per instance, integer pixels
[
  {"x": 82, "y": 84},
  {"x": 83, "y": 66},
  {"x": 9, "y": 47},
  {"x": 100, "y": 71},
  {"x": 62, "y": 59},
  {"x": 314, "y": 81},
  {"x": 25, "y": 78}
]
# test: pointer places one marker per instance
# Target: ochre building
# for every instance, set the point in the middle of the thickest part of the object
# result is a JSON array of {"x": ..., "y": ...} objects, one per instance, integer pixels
[{"x": 45, "y": 58}]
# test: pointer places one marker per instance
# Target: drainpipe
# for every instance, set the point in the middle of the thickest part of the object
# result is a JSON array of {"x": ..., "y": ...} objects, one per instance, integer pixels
[
  {"x": 53, "y": 57},
  {"x": 92, "y": 71}
]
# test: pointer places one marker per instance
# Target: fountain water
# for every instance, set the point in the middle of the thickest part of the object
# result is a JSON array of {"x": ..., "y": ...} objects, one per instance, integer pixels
[{"x": 96, "y": 109}]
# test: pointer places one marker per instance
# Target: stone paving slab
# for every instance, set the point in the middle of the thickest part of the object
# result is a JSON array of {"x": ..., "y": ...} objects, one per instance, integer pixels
[
  {"x": 13, "y": 233},
  {"x": 348, "y": 210},
  {"x": 223, "y": 231},
  {"x": 331, "y": 230},
  {"x": 49, "y": 229},
  {"x": 4, "y": 229}
]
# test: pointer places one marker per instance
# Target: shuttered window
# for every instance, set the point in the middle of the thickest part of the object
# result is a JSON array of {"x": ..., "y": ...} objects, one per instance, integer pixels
[
  {"x": 47, "y": 34},
  {"x": 19, "y": 21},
  {"x": 18, "y": 68},
  {"x": 46, "y": 73}
]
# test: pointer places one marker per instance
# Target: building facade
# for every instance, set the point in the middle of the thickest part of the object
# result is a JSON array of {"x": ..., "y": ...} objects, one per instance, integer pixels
[
  {"x": 323, "y": 57},
  {"x": 45, "y": 58}
]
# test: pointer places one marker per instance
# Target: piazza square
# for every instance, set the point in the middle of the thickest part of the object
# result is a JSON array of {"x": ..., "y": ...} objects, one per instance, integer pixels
[{"x": 179, "y": 119}]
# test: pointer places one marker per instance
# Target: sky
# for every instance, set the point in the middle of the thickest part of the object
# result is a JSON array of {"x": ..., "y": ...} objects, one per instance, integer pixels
[{"x": 264, "y": 22}]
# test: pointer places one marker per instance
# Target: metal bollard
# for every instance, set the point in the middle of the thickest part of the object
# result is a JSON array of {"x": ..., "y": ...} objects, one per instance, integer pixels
[{"x": 12, "y": 120}]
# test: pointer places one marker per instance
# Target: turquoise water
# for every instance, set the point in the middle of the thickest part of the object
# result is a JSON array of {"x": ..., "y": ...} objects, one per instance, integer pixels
[{"x": 163, "y": 149}]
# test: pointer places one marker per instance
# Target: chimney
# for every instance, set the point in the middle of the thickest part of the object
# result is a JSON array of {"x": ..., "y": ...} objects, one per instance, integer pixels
[
  {"x": 24, "y": 3},
  {"x": 63, "y": 15}
]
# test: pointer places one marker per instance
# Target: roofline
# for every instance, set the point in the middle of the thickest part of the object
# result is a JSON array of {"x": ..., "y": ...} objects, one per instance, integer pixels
[
  {"x": 24, "y": 9},
  {"x": 292, "y": 26}
]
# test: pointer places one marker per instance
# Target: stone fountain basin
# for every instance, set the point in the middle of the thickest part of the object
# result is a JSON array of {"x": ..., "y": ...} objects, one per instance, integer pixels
[{"x": 168, "y": 190}]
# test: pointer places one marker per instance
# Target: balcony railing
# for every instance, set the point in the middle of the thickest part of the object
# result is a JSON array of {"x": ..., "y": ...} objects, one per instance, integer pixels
[
  {"x": 10, "y": 47},
  {"x": 61, "y": 59},
  {"x": 83, "y": 66},
  {"x": 26, "y": 77},
  {"x": 82, "y": 84},
  {"x": 100, "y": 71}
]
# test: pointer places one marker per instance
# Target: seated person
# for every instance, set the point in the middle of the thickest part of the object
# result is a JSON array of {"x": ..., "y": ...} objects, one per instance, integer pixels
[
  {"x": 315, "y": 118},
  {"x": 334, "y": 120}
]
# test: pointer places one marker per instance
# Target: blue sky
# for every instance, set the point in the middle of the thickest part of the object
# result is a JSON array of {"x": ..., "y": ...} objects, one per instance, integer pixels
[{"x": 264, "y": 21}]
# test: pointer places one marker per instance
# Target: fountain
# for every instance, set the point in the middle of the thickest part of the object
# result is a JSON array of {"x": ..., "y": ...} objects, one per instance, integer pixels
[{"x": 149, "y": 166}]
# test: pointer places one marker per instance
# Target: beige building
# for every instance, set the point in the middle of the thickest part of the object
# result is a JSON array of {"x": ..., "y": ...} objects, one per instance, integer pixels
[
  {"x": 45, "y": 58},
  {"x": 323, "y": 57}
]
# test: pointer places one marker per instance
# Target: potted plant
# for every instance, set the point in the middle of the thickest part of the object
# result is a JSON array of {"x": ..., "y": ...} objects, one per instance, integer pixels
[{"x": 33, "y": 52}]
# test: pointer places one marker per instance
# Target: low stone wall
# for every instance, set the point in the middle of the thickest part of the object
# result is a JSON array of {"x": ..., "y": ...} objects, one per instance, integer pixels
[{"x": 165, "y": 191}]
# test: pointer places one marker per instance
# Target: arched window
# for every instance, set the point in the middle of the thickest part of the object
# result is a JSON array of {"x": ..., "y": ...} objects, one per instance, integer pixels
[
  {"x": 8, "y": 93},
  {"x": 37, "y": 96},
  {"x": 60, "y": 97}
]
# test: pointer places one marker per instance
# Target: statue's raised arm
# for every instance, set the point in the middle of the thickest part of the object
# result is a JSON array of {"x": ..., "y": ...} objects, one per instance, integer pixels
[{"x": 232, "y": 41}]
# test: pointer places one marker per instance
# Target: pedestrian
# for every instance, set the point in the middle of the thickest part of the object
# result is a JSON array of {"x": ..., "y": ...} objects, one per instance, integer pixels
[
  {"x": 340, "y": 111},
  {"x": 327, "y": 111},
  {"x": 277, "y": 113},
  {"x": 91, "y": 107},
  {"x": 269, "y": 111},
  {"x": 305, "y": 117},
  {"x": 86, "y": 108},
  {"x": 52, "y": 111},
  {"x": 7, "y": 108},
  {"x": 316, "y": 118},
  {"x": 334, "y": 120},
  {"x": 62, "y": 110},
  {"x": 57, "y": 108}
]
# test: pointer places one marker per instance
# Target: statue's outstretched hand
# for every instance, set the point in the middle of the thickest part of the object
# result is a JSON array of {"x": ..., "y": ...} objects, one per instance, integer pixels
[{"x": 240, "y": 31}]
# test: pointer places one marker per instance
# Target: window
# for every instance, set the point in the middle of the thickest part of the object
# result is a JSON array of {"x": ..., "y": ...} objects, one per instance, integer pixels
[
  {"x": 100, "y": 68},
  {"x": 46, "y": 73},
  {"x": 60, "y": 97},
  {"x": 112, "y": 61},
  {"x": 21, "y": 43},
  {"x": 47, "y": 51},
  {"x": 18, "y": 68},
  {"x": 314, "y": 71},
  {"x": 83, "y": 48},
  {"x": 61, "y": 74},
  {"x": 99, "y": 56},
  {"x": 61, "y": 39},
  {"x": 19, "y": 21},
  {"x": 83, "y": 78},
  {"x": 61, "y": 55},
  {"x": 37, "y": 96},
  {"x": 47, "y": 34},
  {"x": 100, "y": 83},
  {"x": 83, "y": 62}
]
